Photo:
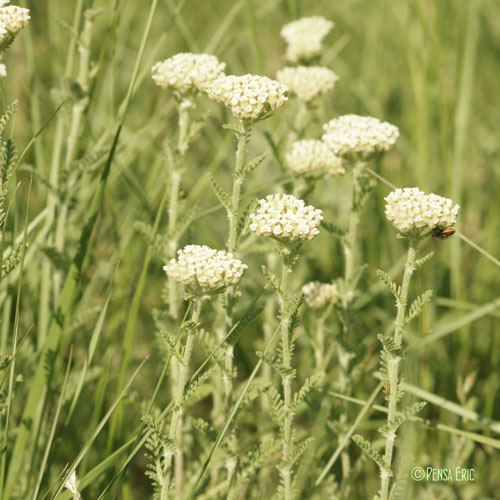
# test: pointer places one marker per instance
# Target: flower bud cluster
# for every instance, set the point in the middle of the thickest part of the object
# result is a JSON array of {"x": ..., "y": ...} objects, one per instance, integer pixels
[
  {"x": 185, "y": 71},
  {"x": 304, "y": 37},
  {"x": 206, "y": 268},
  {"x": 361, "y": 135},
  {"x": 309, "y": 156},
  {"x": 307, "y": 82},
  {"x": 410, "y": 208},
  {"x": 248, "y": 96},
  {"x": 317, "y": 295},
  {"x": 285, "y": 217}
]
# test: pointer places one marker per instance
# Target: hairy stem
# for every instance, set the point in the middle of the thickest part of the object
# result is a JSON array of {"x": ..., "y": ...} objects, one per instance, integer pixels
[
  {"x": 393, "y": 369},
  {"x": 350, "y": 238},
  {"x": 237, "y": 183},
  {"x": 286, "y": 469},
  {"x": 173, "y": 202},
  {"x": 175, "y": 432}
]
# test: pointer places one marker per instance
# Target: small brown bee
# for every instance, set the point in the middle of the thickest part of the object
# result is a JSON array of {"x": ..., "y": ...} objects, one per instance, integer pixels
[{"x": 444, "y": 233}]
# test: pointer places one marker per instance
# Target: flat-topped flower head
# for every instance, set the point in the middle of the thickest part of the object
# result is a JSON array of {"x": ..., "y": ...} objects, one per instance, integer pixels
[
  {"x": 12, "y": 19},
  {"x": 359, "y": 136},
  {"x": 249, "y": 97},
  {"x": 307, "y": 82},
  {"x": 310, "y": 156},
  {"x": 204, "y": 269},
  {"x": 186, "y": 71},
  {"x": 410, "y": 209},
  {"x": 318, "y": 295},
  {"x": 286, "y": 218},
  {"x": 304, "y": 37}
]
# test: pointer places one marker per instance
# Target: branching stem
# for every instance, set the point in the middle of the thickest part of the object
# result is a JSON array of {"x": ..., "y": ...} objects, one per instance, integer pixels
[{"x": 175, "y": 432}]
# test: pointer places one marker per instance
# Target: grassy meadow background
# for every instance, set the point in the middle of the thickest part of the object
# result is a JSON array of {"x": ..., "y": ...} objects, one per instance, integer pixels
[{"x": 431, "y": 68}]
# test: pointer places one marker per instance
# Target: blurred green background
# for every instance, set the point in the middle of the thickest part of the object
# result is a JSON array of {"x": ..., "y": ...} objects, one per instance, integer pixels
[{"x": 431, "y": 68}]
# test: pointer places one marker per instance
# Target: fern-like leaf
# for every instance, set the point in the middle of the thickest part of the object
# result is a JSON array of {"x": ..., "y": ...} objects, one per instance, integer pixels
[
  {"x": 271, "y": 278},
  {"x": 310, "y": 383},
  {"x": 221, "y": 195},
  {"x": 393, "y": 287},
  {"x": 250, "y": 166},
  {"x": 11, "y": 109},
  {"x": 333, "y": 229},
  {"x": 417, "y": 305},
  {"x": 424, "y": 259},
  {"x": 370, "y": 450}
]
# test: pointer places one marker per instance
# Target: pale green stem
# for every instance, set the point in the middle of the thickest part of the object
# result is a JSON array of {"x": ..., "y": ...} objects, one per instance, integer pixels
[
  {"x": 175, "y": 432},
  {"x": 173, "y": 202},
  {"x": 286, "y": 470},
  {"x": 237, "y": 183},
  {"x": 173, "y": 299},
  {"x": 350, "y": 238},
  {"x": 393, "y": 369},
  {"x": 233, "y": 215}
]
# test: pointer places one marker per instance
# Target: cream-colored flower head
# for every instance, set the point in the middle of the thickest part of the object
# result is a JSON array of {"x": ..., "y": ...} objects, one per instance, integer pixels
[
  {"x": 410, "y": 209},
  {"x": 307, "y": 82},
  {"x": 185, "y": 71},
  {"x": 309, "y": 156},
  {"x": 359, "y": 135},
  {"x": 204, "y": 268},
  {"x": 249, "y": 97},
  {"x": 317, "y": 295},
  {"x": 286, "y": 218},
  {"x": 304, "y": 37},
  {"x": 12, "y": 19}
]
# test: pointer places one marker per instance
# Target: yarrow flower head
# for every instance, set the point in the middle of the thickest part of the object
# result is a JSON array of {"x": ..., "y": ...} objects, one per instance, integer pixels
[
  {"x": 409, "y": 209},
  {"x": 310, "y": 156},
  {"x": 186, "y": 71},
  {"x": 12, "y": 19},
  {"x": 286, "y": 218},
  {"x": 204, "y": 269},
  {"x": 359, "y": 136},
  {"x": 307, "y": 82},
  {"x": 317, "y": 295},
  {"x": 249, "y": 97},
  {"x": 304, "y": 37}
]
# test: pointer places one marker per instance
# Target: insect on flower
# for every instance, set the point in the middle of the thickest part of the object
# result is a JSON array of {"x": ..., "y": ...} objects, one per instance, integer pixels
[{"x": 442, "y": 233}]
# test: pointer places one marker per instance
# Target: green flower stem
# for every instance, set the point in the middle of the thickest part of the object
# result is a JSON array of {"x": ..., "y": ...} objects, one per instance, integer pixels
[
  {"x": 183, "y": 108},
  {"x": 320, "y": 351},
  {"x": 243, "y": 135},
  {"x": 233, "y": 214},
  {"x": 350, "y": 238},
  {"x": 393, "y": 368},
  {"x": 175, "y": 432},
  {"x": 175, "y": 182},
  {"x": 286, "y": 471}
]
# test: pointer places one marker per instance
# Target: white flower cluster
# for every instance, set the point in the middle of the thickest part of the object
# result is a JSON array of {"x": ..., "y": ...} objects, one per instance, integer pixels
[
  {"x": 307, "y": 82},
  {"x": 185, "y": 71},
  {"x": 285, "y": 217},
  {"x": 304, "y": 37},
  {"x": 12, "y": 19},
  {"x": 363, "y": 135},
  {"x": 410, "y": 208},
  {"x": 309, "y": 155},
  {"x": 204, "y": 267},
  {"x": 317, "y": 295},
  {"x": 248, "y": 96}
]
